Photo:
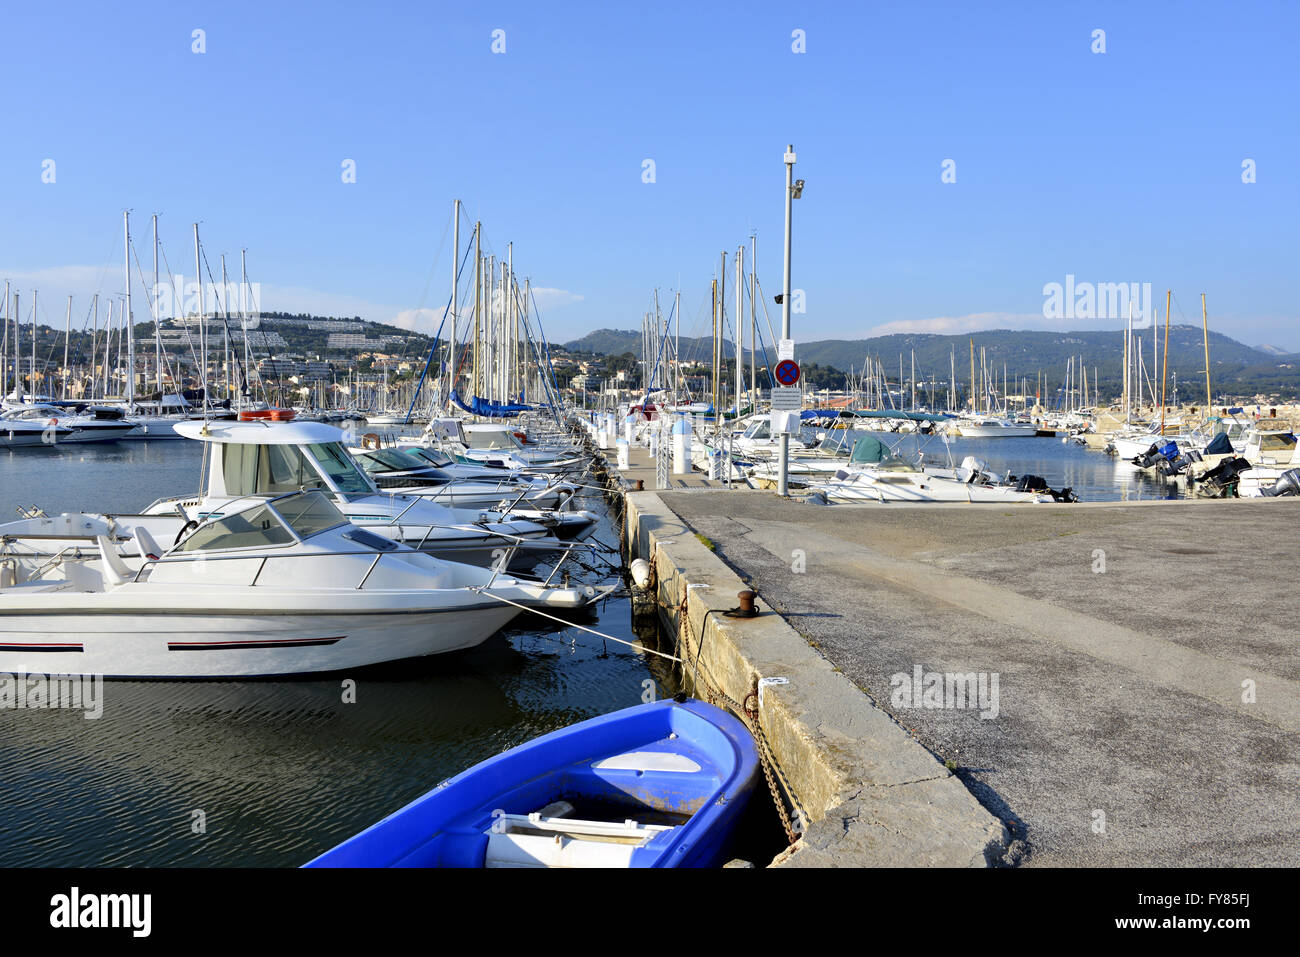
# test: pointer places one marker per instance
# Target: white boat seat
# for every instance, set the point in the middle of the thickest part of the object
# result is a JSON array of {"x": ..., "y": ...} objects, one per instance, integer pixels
[
  {"x": 116, "y": 571},
  {"x": 532, "y": 840},
  {"x": 145, "y": 544}
]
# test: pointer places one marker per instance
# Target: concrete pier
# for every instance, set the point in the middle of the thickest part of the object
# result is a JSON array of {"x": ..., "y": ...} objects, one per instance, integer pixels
[{"x": 1141, "y": 659}]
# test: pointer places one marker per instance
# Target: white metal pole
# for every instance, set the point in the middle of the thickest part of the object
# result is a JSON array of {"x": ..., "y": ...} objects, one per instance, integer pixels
[
  {"x": 67, "y": 332},
  {"x": 157, "y": 325},
  {"x": 203, "y": 325},
  {"x": 782, "y": 482},
  {"x": 740, "y": 324},
  {"x": 455, "y": 285},
  {"x": 130, "y": 326}
]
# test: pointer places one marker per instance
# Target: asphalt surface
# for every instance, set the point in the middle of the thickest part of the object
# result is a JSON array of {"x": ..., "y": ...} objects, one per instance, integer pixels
[{"x": 1148, "y": 707}]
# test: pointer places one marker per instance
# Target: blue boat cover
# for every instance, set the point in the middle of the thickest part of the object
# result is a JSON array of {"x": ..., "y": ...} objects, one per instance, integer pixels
[
  {"x": 1219, "y": 445},
  {"x": 490, "y": 410}
]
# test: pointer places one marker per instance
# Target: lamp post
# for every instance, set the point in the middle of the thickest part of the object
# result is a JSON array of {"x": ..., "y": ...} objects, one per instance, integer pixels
[{"x": 793, "y": 191}]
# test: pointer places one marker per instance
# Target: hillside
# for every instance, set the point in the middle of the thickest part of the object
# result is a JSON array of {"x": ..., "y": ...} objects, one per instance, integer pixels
[{"x": 1236, "y": 369}]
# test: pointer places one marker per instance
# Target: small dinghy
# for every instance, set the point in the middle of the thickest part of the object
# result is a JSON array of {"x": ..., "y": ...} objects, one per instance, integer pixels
[{"x": 657, "y": 785}]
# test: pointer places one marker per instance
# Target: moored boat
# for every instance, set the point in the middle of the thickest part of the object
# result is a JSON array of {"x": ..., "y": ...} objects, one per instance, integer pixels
[{"x": 656, "y": 785}]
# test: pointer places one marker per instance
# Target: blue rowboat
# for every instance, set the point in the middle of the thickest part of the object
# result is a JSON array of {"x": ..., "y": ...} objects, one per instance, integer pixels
[{"x": 657, "y": 785}]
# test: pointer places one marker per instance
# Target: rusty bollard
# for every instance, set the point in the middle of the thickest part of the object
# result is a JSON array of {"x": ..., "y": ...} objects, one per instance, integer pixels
[{"x": 746, "y": 608}]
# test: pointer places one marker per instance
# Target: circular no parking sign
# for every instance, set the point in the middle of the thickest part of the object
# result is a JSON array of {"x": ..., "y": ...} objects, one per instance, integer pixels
[{"x": 787, "y": 372}]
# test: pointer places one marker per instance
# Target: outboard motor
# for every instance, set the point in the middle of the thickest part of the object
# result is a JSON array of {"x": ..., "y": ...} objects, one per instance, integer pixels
[
  {"x": 1287, "y": 484},
  {"x": 1036, "y": 483},
  {"x": 1032, "y": 483},
  {"x": 1221, "y": 481},
  {"x": 1157, "y": 456}
]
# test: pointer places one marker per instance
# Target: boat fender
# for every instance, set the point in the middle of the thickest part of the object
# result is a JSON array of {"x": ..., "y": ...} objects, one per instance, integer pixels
[{"x": 640, "y": 569}]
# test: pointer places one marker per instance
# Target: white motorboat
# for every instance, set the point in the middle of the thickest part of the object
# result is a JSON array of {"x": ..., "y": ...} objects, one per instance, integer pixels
[
  {"x": 407, "y": 472},
  {"x": 992, "y": 428},
  {"x": 28, "y": 433},
  {"x": 1269, "y": 442},
  {"x": 270, "y": 458},
  {"x": 876, "y": 474},
  {"x": 93, "y": 424},
  {"x": 486, "y": 442},
  {"x": 283, "y": 585}
]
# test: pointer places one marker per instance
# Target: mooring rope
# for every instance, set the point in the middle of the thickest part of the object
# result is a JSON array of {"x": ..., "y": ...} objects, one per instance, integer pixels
[{"x": 599, "y": 634}]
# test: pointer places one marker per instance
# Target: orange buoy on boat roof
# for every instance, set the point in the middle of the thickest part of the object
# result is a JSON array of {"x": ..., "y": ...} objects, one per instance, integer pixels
[{"x": 262, "y": 415}]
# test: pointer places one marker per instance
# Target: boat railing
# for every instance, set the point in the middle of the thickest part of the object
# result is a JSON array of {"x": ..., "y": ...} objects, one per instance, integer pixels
[{"x": 202, "y": 558}]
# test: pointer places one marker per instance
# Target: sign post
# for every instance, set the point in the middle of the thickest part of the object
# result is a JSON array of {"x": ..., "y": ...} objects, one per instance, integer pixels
[{"x": 787, "y": 343}]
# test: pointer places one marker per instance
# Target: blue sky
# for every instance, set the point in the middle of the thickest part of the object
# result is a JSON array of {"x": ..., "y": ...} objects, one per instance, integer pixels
[{"x": 1122, "y": 166}]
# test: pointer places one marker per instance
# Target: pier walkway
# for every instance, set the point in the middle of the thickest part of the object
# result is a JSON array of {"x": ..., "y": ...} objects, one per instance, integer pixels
[{"x": 1146, "y": 656}]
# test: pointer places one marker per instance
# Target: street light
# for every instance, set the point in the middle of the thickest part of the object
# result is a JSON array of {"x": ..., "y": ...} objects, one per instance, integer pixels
[{"x": 793, "y": 190}]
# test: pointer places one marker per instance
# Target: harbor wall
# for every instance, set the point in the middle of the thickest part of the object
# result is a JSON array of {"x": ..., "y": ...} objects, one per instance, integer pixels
[{"x": 870, "y": 794}]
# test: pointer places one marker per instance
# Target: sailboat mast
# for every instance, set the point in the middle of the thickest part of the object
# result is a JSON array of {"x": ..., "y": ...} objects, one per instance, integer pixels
[
  {"x": 753, "y": 319},
  {"x": 478, "y": 311},
  {"x": 243, "y": 321},
  {"x": 972, "y": 377},
  {"x": 203, "y": 325},
  {"x": 157, "y": 325},
  {"x": 455, "y": 286},
  {"x": 1205, "y": 330},
  {"x": 126, "y": 315},
  {"x": 677, "y": 341},
  {"x": 740, "y": 324},
  {"x": 1165, "y": 372},
  {"x": 714, "y": 346}
]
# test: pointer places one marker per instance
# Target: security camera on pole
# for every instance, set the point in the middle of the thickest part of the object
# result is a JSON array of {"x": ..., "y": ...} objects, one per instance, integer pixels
[{"x": 793, "y": 190}]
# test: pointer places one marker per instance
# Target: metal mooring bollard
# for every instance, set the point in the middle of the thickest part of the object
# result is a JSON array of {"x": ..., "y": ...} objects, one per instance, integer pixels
[{"x": 746, "y": 609}]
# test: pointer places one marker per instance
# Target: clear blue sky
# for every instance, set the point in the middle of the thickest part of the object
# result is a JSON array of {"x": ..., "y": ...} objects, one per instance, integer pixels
[{"x": 1122, "y": 166}]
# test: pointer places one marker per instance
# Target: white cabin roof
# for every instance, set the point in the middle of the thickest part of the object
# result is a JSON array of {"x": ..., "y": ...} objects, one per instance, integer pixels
[{"x": 260, "y": 432}]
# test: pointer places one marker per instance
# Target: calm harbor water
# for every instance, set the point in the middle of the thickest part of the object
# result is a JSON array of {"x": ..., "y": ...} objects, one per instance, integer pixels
[{"x": 280, "y": 769}]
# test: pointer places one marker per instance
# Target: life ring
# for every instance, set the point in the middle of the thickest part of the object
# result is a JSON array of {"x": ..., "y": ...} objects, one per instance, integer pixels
[
  {"x": 522, "y": 437},
  {"x": 370, "y": 441}
]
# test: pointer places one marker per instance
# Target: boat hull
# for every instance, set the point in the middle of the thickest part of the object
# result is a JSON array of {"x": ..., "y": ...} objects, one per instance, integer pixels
[{"x": 142, "y": 643}]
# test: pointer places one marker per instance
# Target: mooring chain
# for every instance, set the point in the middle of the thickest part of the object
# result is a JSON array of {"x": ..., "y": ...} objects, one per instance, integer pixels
[{"x": 771, "y": 771}]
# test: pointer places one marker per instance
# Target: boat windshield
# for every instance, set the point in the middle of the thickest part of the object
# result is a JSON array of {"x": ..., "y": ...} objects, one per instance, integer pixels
[
  {"x": 492, "y": 439},
  {"x": 339, "y": 466},
  {"x": 840, "y": 441},
  {"x": 431, "y": 455},
  {"x": 759, "y": 430},
  {"x": 389, "y": 460},
  {"x": 309, "y": 513},
  {"x": 869, "y": 450},
  {"x": 257, "y": 527}
]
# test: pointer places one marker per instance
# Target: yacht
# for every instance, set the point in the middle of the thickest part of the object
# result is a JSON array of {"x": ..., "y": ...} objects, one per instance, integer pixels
[
  {"x": 91, "y": 424},
  {"x": 278, "y": 585}
]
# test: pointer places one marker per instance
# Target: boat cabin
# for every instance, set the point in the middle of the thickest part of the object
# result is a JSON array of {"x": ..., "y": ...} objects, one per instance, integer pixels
[{"x": 272, "y": 458}]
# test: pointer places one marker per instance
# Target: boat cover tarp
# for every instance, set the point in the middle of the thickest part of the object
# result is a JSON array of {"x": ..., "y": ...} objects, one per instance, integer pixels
[
  {"x": 1219, "y": 445},
  {"x": 897, "y": 414},
  {"x": 490, "y": 410},
  {"x": 869, "y": 450}
]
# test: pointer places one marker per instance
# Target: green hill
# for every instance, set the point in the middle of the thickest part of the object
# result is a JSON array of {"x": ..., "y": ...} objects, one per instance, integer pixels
[{"x": 1236, "y": 369}]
